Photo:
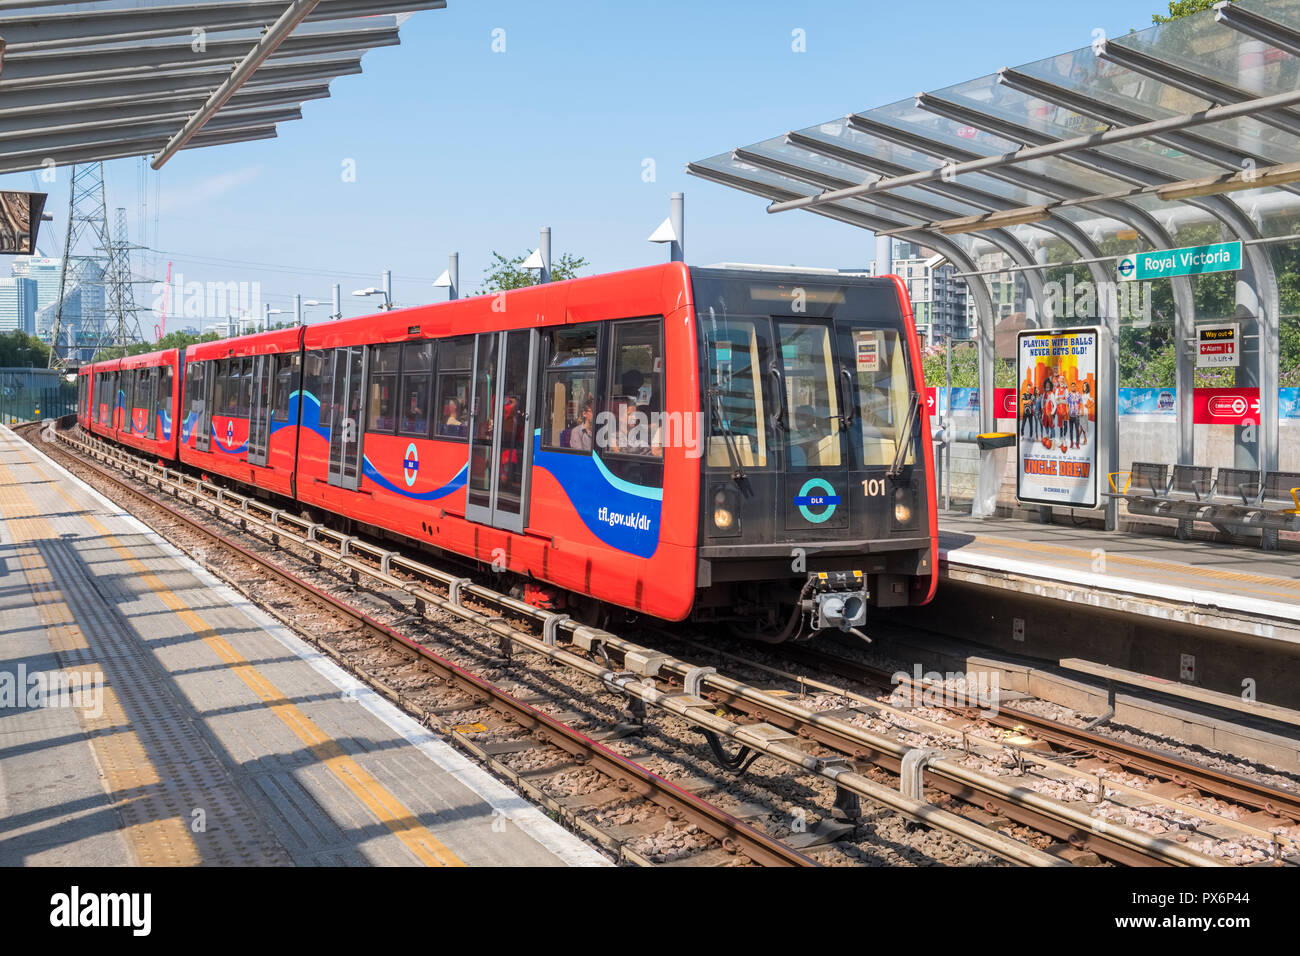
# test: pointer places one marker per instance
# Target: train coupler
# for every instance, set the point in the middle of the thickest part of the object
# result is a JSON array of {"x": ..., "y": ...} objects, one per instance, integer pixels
[{"x": 836, "y": 599}]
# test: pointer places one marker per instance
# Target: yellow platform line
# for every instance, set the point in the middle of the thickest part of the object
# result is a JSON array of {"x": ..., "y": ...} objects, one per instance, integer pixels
[
  {"x": 117, "y": 748},
  {"x": 390, "y": 811}
]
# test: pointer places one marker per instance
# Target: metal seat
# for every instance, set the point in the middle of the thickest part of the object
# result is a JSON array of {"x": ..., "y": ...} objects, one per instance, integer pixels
[
  {"x": 1239, "y": 486},
  {"x": 1191, "y": 482}
]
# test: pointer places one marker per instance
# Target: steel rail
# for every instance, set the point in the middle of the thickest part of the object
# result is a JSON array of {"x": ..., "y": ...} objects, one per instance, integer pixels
[{"x": 1259, "y": 796}]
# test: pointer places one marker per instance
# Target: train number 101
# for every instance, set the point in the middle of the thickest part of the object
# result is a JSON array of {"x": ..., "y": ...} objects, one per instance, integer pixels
[{"x": 873, "y": 487}]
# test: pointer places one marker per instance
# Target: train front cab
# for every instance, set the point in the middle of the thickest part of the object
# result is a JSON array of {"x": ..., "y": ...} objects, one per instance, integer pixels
[
  {"x": 85, "y": 395},
  {"x": 817, "y": 492}
]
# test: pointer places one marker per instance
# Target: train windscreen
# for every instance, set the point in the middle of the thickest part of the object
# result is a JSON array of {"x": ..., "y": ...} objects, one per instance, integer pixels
[{"x": 817, "y": 372}]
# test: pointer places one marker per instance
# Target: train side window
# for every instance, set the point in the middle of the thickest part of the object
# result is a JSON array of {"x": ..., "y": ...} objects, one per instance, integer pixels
[
  {"x": 454, "y": 359},
  {"x": 193, "y": 389},
  {"x": 632, "y": 424},
  {"x": 417, "y": 374},
  {"x": 384, "y": 366},
  {"x": 221, "y": 403},
  {"x": 735, "y": 354},
  {"x": 143, "y": 378},
  {"x": 317, "y": 380},
  {"x": 286, "y": 378},
  {"x": 133, "y": 393},
  {"x": 245, "y": 387},
  {"x": 569, "y": 382},
  {"x": 163, "y": 400}
]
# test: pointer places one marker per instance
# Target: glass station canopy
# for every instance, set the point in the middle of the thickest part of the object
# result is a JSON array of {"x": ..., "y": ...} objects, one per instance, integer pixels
[
  {"x": 96, "y": 80},
  {"x": 1231, "y": 54}
]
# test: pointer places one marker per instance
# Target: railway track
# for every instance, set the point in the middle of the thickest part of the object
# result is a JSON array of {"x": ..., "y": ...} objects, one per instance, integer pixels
[
  {"x": 1277, "y": 804},
  {"x": 754, "y": 720},
  {"x": 1175, "y": 785}
]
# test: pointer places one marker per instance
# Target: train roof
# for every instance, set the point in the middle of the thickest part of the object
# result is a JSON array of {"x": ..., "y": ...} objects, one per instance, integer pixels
[
  {"x": 259, "y": 343},
  {"x": 651, "y": 290}
]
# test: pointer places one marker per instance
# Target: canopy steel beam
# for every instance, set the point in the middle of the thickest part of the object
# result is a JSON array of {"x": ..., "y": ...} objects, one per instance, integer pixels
[
  {"x": 50, "y": 31},
  {"x": 52, "y": 97},
  {"x": 1058, "y": 148},
  {"x": 998, "y": 237},
  {"x": 1254, "y": 24},
  {"x": 67, "y": 157},
  {"x": 883, "y": 167},
  {"x": 1193, "y": 145},
  {"x": 1263, "y": 304},
  {"x": 279, "y": 31},
  {"x": 33, "y": 69},
  {"x": 174, "y": 109},
  {"x": 1171, "y": 74},
  {"x": 37, "y": 148}
]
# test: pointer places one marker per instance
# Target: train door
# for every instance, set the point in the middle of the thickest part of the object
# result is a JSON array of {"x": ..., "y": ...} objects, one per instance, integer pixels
[
  {"x": 150, "y": 402},
  {"x": 259, "y": 412},
  {"x": 501, "y": 428},
  {"x": 347, "y": 415},
  {"x": 206, "y": 384}
]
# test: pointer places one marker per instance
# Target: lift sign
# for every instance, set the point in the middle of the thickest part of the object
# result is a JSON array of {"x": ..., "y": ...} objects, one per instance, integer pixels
[{"x": 1216, "y": 345}]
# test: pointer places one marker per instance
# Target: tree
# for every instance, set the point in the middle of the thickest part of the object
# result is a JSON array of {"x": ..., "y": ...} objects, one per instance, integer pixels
[
  {"x": 505, "y": 273},
  {"x": 20, "y": 350},
  {"x": 1182, "y": 8}
]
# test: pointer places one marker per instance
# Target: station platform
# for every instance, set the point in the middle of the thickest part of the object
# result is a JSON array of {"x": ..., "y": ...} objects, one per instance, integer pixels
[
  {"x": 150, "y": 715},
  {"x": 1204, "y": 584}
]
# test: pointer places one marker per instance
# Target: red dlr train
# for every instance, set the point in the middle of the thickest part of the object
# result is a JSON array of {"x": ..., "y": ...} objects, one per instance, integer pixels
[{"x": 744, "y": 446}]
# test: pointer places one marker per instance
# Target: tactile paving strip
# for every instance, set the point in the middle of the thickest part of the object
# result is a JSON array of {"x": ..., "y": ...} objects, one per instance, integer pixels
[{"x": 157, "y": 769}]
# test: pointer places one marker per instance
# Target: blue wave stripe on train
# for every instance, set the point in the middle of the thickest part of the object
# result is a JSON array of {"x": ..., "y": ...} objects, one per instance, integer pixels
[
  {"x": 457, "y": 482},
  {"x": 620, "y": 513}
]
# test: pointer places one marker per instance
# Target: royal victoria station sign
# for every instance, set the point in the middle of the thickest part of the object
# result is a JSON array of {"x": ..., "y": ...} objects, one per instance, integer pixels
[{"x": 1187, "y": 261}]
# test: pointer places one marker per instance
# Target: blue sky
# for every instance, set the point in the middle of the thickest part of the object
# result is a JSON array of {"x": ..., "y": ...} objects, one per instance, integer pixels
[{"x": 460, "y": 148}]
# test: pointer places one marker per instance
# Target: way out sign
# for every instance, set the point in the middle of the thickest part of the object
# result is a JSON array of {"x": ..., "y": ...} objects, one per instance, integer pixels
[
  {"x": 1187, "y": 261},
  {"x": 1218, "y": 346}
]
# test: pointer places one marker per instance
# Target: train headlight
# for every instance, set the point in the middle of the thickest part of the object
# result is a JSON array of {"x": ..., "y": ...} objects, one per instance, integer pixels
[
  {"x": 725, "y": 505},
  {"x": 903, "y": 512}
]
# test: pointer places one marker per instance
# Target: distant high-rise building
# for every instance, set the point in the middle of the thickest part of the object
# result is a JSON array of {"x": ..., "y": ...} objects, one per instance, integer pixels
[
  {"x": 45, "y": 272},
  {"x": 18, "y": 298},
  {"x": 938, "y": 296},
  {"x": 1007, "y": 289}
]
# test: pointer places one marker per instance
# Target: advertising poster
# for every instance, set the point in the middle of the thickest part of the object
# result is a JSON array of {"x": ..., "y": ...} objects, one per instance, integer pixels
[
  {"x": 1056, "y": 450},
  {"x": 1149, "y": 404},
  {"x": 1288, "y": 405}
]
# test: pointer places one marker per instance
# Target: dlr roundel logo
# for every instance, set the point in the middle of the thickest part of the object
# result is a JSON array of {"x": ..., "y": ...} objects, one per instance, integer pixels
[
  {"x": 411, "y": 464},
  {"x": 1227, "y": 406}
]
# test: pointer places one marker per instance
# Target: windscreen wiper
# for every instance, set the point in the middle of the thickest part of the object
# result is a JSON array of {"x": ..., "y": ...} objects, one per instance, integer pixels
[
  {"x": 722, "y": 425},
  {"x": 913, "y": 406}
]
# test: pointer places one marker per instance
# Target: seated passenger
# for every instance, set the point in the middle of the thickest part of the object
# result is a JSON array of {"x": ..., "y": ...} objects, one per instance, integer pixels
[
  {"x": 414, "y": 420},
  {"x": 452, "y": 424},
  {"x": 580, "y": 436}
]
